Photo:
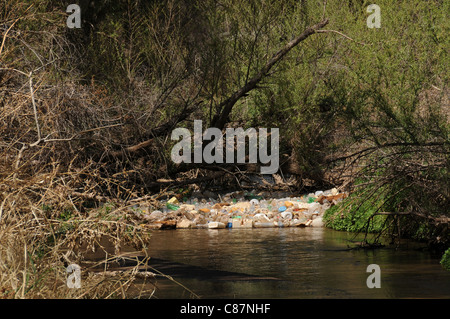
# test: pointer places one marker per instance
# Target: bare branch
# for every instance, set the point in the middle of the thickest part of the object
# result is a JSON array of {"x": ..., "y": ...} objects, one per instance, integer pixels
[
  {"x": 34, "y": 107},
  {"x": 341, "y": 34},
  {"x": 227, "y": 105},
  {"x": 6, "y": 33}
]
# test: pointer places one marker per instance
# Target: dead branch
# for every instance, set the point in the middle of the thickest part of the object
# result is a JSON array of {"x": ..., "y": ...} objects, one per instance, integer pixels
[
  {"x": 437, "y": 220},
  {"x": 33, "y": 102},
  {"x": 178, "y": 182},
  {"x": 341, "y": 34},
  {"x": 6, "y": 33},
  {"x": 372, "y": 148},
  {"x": 227, "y": 105},
  {"x": 158, "y": 131}
]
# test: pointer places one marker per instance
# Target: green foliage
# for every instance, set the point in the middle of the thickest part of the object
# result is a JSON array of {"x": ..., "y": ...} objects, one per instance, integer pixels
[
  {"x": 327, "y": 84},
  {"x": 105, "y": 211},
  {"x": 143, "y": 63},
  {"x": 66, "y": 214},
  {"x": 445, "y": 261},
  {"x": 355, "y": 213}
]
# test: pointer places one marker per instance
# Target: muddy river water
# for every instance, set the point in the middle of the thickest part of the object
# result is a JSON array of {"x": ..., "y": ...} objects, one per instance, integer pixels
[{"x": 290, "y": 263}]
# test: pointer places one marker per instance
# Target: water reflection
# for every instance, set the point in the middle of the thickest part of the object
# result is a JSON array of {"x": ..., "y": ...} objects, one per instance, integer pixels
[{"x": 308, "y": 263}]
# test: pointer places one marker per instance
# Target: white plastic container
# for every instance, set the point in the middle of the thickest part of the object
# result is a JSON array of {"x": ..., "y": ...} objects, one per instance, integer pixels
[
  {"x": 286, "y": 215},
  {"x": 216, "y": 225}
]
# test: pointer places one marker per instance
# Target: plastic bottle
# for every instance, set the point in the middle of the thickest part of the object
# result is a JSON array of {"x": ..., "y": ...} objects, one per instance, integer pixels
[
  {"x": 263, "y": 204},
  {"x": 251, "y": 209},
  {"x": 286, "y": 215},
  {"x": 172, "y": 206}
]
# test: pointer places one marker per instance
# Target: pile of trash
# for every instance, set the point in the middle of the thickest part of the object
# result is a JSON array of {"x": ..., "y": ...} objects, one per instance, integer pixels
[{"x": 238, "y": 210}]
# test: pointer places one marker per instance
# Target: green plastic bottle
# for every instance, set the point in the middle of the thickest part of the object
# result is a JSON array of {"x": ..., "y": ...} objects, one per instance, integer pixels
[{"x": 172, "y": 206}]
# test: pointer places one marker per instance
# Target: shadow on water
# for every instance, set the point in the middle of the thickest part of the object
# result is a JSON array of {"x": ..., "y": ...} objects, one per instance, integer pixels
[{"x": 175, "y": 269}]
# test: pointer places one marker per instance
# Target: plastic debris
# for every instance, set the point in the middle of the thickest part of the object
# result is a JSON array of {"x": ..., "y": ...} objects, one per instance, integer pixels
[
  {"x": 282, "y": 209},
  {"x": 240, "y": 210}
]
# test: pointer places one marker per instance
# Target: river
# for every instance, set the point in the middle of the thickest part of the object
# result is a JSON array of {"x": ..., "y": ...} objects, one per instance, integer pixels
[{"x": 289, "y": 263}]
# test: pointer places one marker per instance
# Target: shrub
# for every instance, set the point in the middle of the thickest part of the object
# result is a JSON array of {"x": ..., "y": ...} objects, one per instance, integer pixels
[{"x": 445, "y": 261}]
